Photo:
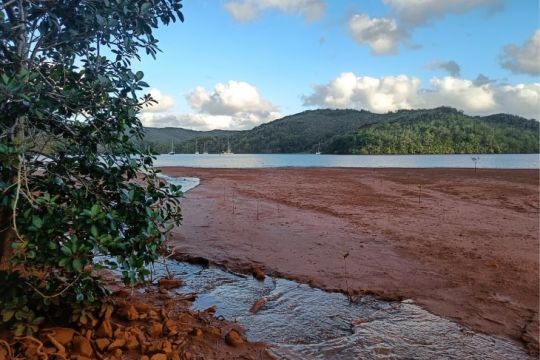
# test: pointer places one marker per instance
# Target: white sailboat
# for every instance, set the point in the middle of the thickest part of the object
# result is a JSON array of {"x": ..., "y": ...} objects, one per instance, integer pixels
[
  {"x": 318, "y": 152},
  {"x": 172, "y": 148},
  {"x": 196, "y": 147},
  {"x": 228, "y": 152},
  {"x": 205, "y": 151}
]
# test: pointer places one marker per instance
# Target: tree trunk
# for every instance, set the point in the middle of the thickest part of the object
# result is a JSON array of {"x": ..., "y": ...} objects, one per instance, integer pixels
[{"x": 7, "y": 237}]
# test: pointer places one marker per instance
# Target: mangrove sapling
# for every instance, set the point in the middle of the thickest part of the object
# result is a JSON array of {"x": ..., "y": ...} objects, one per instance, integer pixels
[
  {"x": 475, "y": 159},
  {"x": 345, "y": 255}
]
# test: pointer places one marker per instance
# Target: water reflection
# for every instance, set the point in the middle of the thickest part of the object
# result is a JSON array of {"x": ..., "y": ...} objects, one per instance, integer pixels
[{"x": 301, "y": 322}]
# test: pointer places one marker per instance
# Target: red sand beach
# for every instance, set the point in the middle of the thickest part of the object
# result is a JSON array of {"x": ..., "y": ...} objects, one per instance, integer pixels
[{"x": 464, "y": 245}]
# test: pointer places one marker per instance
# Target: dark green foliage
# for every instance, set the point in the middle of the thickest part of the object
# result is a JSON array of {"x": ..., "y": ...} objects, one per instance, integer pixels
[
  {"x": 77, "y": 194},
  {"x": 438, "y": 131},
  {"x": 441, "y": 131},
  {"x": 159, "y": 140}
]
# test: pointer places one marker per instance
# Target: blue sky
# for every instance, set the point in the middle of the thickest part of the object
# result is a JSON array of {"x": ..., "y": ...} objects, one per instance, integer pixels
[{"x": 237, "y": 63}]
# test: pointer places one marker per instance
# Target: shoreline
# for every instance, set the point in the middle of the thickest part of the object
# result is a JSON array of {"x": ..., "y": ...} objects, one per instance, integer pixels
[{"x": 398, "y": 248}]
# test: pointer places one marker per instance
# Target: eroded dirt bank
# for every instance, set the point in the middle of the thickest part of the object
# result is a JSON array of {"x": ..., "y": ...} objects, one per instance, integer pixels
[{"x": 463, "y": 245}]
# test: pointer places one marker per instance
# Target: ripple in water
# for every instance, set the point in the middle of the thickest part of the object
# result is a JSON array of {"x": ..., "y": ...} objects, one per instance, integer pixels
[{"x": 301, "y": 322}]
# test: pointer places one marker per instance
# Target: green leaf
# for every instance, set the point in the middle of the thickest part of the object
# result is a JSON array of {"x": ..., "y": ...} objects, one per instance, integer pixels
[
  {"x": 77, "y": 265},
  {"x": 7, "y": 315},
  {"x": 139, "y": 75},
  {"x": 94, "y": 231},
  {"x": 37, "y": 222},
  {"x": 66, "y": 251}
]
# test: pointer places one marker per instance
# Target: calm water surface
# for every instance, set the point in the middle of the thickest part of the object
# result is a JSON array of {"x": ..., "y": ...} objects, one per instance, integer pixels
[
  {"x": 302, "y": 323},
  {"x": 499, "y": 161}
]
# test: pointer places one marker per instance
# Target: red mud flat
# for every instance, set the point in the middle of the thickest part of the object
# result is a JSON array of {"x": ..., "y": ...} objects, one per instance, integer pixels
[{"x": 464, "y": 245}]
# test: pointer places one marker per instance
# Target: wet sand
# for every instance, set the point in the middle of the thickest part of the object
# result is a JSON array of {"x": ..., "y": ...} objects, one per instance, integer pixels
[{"x": 464, "y": 245}]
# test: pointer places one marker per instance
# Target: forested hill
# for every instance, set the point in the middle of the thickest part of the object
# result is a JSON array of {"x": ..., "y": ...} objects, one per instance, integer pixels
[{"x": 435, "y": 131}]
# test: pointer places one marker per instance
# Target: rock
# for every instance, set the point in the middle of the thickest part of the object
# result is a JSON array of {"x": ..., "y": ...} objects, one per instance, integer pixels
[
  {"x": 155, "y": 329},
  {"x": 82, "y": 346},
  {"x": 170, "y": 325},
  {"x": 132, "y": 313},
  {"x": 196, "y": 332},
  {"x": 118, "y": 353},
  {"x": 153, "y": 315},
  {"x": 233, "y": 338},
  {"x": 258, "y": 305},
  {"x": 169, "y": 283},
  {"x": 212, "y": 330},
  {"x": 102, "y": 343},
  {"x": 80, "y": 357},
  {"x": 132, "y": 342},
  {"x": 105, "y": 330},
  {"x": 258, "y": 274},
  {"x": 62, "y": 335},
  {"x": 159, "y": 356},
  {"x": 166, "y": 347},
  {"x": 117, "y": 344},
  {"x": 142, "y": 307},
  {"x": 144, "y": 357}
]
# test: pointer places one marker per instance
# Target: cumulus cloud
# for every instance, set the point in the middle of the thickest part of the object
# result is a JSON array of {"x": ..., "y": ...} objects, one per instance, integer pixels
[
  {"x": 380, "y": 34},
  {"x": 383, "y": 35},
  {"x": 164, "y": 102},
  {"x": 524, "y": 59},
  {"x": 247, "y": 10},
  {"x": 420, "y": 12},
  {"x": 377, "y": 94},
  {"x": 449, "y": 66},
  {"x": 392, "y": 93},
  {"x": 482, "y": 79},
  {"x": 235, "y": 105}
]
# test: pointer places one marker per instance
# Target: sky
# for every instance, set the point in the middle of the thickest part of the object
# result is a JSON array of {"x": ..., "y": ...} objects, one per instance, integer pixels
[{"x": 235, "y": 64}]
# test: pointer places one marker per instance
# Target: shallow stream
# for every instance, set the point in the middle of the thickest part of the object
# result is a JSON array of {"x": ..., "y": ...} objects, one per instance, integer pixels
[{"x": 301, "y": 322}]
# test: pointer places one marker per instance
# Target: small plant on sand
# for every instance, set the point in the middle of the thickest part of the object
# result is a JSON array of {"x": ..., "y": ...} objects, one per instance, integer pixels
[
  {"x": 475, "y": 159},
  {"x": 345, "y": 255},
  {"x": 74, "y": 186}
]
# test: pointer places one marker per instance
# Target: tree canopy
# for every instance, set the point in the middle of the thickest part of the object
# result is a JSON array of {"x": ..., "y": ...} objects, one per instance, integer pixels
[{"x": 77, "y": 195}]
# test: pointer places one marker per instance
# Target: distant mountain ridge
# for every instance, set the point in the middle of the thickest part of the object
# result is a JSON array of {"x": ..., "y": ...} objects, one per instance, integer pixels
[{"x": 440, "y": 130}]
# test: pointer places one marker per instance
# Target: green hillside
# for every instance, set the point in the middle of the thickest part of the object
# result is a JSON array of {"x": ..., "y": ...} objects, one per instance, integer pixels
[
  {"x": 160, "y": 139},
  {"x": 437, "y": 131},
  {"x": 441, "y": 131},
  {"x": 292, "y": 134}
]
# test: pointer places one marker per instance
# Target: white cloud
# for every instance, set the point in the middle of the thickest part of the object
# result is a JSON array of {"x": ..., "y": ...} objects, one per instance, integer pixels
[
  {"x": 420, "y": 12},
  {"x": 523, "y": 59},
  {"x": 247, "y": 10},
  {"x": 458, "y": 93},
  {"x": 380, "y": 34},
  {"x": 392, "y": 93},
  {"x": 229, "y": 99},
  {"x": 384, "y": 35},
  {"x": 235, "y": 105},
  {"x": 449, "y": 66},
  {"x": 164, "y": 102},
  {"x": 377, "y": 94}
]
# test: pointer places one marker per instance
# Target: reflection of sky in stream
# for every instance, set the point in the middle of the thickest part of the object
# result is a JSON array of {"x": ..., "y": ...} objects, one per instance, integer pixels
[
  {"x": 305, "y": 323},
  {"x": 186, "y": 183},
  {"x": 495, "y": 161},
  {"x": 301, "y": 322}
]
